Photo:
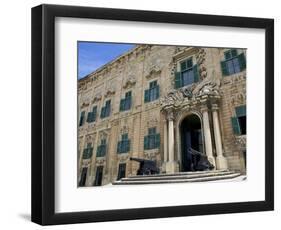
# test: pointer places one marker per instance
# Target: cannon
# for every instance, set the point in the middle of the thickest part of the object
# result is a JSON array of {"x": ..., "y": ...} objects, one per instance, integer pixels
[
  {"x": 147, "y": 167},
  {"x": 199, "y": 161}
]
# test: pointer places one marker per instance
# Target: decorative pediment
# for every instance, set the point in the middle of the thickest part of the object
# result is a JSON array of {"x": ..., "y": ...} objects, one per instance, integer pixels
[
  {"x": 153, "y": 72},
  {"x": 100, "y": 161},
  {"x": 122, "y": 158},
  {"x": 109, "y": 93},
  {"x": 103, "y": 134},
  {"x": 152, "y": 122},
  {"x": 191, "y": 95},
  {"x": 124, "y": 129},
  {"x": 130, "y": 82},
  {"x": 85, "y": 104},
  {"x": 97, "y": 98}
]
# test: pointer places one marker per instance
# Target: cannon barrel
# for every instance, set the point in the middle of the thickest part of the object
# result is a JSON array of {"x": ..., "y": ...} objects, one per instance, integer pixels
[{"x": 136, "y": 159}]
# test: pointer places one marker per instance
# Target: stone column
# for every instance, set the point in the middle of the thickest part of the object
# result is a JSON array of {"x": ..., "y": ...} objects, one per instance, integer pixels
[
  {"x": 171, "y": 165},
  {"x": 207, "y": 136},
  {"x": 165, "y": 141},
  {"x": 221, "y": 162}
]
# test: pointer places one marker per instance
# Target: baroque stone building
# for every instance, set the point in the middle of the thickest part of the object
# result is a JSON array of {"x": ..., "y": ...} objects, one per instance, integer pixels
[{"x": 156, "y": 102}]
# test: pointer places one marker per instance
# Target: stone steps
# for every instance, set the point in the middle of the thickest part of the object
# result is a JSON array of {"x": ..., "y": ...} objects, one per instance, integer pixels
[{"x": 178, "y": 177}]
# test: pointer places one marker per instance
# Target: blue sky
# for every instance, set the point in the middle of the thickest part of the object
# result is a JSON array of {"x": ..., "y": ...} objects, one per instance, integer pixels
[{"x": 92, "y": 55}]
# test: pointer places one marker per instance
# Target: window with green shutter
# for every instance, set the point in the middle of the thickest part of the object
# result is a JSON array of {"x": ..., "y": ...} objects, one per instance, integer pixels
[
  {"x": 88, "y": 151},
  {"x": 152, "y": 93},
  {"x": 233, "y": 63},
  {"x": 101, "y": 149},
  {"x": 92, "y": 115},
  {"x": 188, "y": 74},
  {"x": 105, "y": 111},
  {"x": 152, "y": 140},
  {"x": 123, "y": 146},
  {"x": 82, "y": 118},
  {"x": 239, "y": 121},
  {"x": 125, "y": 103}
]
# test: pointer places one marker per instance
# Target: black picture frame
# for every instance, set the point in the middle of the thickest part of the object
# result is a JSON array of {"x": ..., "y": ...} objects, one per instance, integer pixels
[{"x": 43, "y": 114}]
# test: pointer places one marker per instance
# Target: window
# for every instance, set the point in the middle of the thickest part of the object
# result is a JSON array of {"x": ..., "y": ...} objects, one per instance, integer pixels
[
  {"x": 121, "y": 171},
  {"x": 101, "y": 149},
  {"x": 88, "y": 152},
  {"x": 125, "y": 103},
  {"x": 92, "y": 116},
  {"x": 188, "y": 74},
  {"x": 152, "y": 93},
  {"x": 152, "y": 140},
  {"x": 82, "y": 118},
  {"x": 123, "y": 145},
  {"x": 233, "y": 62},
  {"x": 105, "y": 111},
  {"x": 83, "y": 177},
  {"x": 98, "y": 177},
  {"x": 239, "y": 122}
]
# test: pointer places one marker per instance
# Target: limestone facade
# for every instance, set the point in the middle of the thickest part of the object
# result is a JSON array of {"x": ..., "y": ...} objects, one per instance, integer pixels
[{"x": 213, "y": 97}]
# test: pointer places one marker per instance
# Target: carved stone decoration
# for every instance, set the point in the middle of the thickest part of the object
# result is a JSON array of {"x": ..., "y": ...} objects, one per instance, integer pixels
[
  {"x": 130, "y": 82},
  {"x": 154, "y": 71},
  {"x": 124, "y": 129},
  {"x": 241, "y": 141},
  {"x": 97, "y": 97},
  {"x": 200, "y": 58},
  {"x": 85, "y": 104},
  {"x": 86, "y": 163},
  {"x": 238, "y": 99},
  {"x": 152, "y": 122},
  {"x": 192, "y": 96},
  {"x": 210, "y": 86},
  {"x": 100, "y": 161},
  {"x": 89, "y": 139},
  {"x": 122, "y": 158},
  {"x": 103, "y": 134},
  {"x": 151, "y": 155},
  {"x": 110, "y": 89}
]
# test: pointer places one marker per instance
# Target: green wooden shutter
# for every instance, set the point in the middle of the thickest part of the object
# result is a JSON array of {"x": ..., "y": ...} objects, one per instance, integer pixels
[
  {"x": 240, "y": 111},
  {"x": 157, "y": 91},
  {"x": 146, "y": 95},
  {"x": 157, "y": 140},
  {"x": 94, "y": 113},
  {"x": 242, "y": 61},
  {"x": 81, "y": 118},
  {"x": 121, "y": 107},
  {"x": 224, "y": 68},
  {"x": 233, "y": 53},
  {"x": 227, "y": 54},
  {"x": 119, "y": 145},
  {"x": 89, "y": 117},
  {"x": 178, "y": 83},
  {"x": 145, "y": 143},
  {"x": 195, "y": 73},
  {"x": 183, "y": 66},
  {"x": 90, "y": 152},
  {"x": 127, "y": 145},
  {"x": 235, "y": 126}
]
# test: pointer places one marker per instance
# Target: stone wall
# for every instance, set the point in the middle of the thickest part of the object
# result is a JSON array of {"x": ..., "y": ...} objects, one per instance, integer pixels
[{"x": 133, "y": 72}]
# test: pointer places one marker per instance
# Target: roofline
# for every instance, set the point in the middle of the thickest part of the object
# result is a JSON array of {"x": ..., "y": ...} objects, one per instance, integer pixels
[{"x": 109, "y": 63}]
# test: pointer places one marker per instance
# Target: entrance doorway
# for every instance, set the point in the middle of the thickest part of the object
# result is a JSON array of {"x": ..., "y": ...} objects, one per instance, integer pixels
[{"x": 191, "y": 137}]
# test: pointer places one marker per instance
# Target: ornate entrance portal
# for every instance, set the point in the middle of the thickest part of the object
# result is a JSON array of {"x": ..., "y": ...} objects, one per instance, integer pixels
[{"x": 191, "y": 138}]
